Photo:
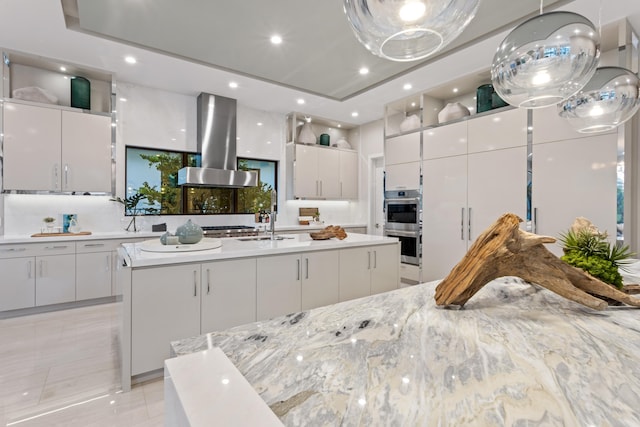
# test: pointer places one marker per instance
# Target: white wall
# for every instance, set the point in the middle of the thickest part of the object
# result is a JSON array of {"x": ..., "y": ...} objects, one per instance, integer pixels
[{"x": 155, "y": 118}]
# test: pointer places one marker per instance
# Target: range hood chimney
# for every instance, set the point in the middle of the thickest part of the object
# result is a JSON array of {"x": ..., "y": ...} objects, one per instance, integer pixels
[{"x": 217, "y": 146}]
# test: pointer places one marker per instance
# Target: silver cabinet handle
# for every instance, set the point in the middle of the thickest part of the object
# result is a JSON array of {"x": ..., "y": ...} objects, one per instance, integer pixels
[
  {"x": 320, "y": 187},
  {"x": 368, "y": 260},
  {"x": 29, "y": 269},
  {"x": 462, "y": 224},
  {"x": 535, "y": 221},
  {"x": 341, "y": 192},
  {"x": 53, "y": 248},
  {"x": 14, "y": 250},
  {"x": 66, "y": 176},
  {"x": 195, "y": 284},
  {"x": 298, "y": 269},
  {"x": 375, "y": 259},
  {"x": 208, "y": 282},
  {"x": 107, "y": 267},
  {"x": 55, "y": 176},
  {"x": 41, "y": 267},
  {"x": 307, "y": 262},
  {"x": 93, "y": 245},
  {"x": 469, "y": 225}
]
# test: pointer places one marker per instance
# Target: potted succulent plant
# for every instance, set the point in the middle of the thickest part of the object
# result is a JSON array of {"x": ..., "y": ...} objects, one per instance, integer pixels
[{"x": 49, "y": 222}]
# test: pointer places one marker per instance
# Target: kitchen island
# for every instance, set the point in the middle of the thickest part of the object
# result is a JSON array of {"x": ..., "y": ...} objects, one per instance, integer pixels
[
  {"x": 517, "y": 354},
  {"x": 173, "y": 295}
]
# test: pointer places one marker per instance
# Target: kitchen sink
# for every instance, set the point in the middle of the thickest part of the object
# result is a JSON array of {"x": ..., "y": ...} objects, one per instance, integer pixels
[{"x": 249, "y": 239}]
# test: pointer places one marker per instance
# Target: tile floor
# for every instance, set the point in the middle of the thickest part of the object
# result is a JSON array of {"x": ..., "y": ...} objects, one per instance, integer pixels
[{"x": 62, "y": 369}]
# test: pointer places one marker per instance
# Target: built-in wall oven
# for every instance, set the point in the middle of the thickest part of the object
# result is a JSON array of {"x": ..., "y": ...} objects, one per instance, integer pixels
[{"x": 403, "y": 220}]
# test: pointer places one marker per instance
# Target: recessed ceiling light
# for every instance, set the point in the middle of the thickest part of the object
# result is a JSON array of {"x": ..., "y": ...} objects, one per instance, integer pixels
[
  {"x": 407, "y": 86},
  {"x": 455, "y": 90},
  {"x": 123, "y": 99},
  {"x": 63, "y": 68},
  {"x": 354, "y": 114},
  {"x": 268, "y": 142},
  {"x": 130, "y": 60},
  {"x": 233, "y": 85},
  {"x": 300, "y": 101},
  {"x": 339, "y": 125},
  {"x": 364, "y": 70},
  {"x": 276, "y": 39},
  {"x": 259, "y": 123},
  {"x": 413, "y": 104},
  {"x": 183, "y": 130}
]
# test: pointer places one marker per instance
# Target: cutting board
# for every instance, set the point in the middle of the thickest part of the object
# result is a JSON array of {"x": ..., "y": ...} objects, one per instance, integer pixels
[
  {"x": 308, "y": 212},
  {"x": 80, "y": 233}
]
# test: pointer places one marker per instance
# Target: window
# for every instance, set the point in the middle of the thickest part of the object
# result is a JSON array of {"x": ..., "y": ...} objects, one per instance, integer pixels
[{"x": 154, "y": 173}]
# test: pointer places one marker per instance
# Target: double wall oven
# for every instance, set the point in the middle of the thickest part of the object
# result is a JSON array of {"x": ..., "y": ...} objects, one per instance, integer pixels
[{"x": 403, "y": 220}]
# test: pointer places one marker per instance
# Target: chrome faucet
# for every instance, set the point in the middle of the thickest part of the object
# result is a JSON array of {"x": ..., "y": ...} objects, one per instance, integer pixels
[{"x": 272, "y": 214}]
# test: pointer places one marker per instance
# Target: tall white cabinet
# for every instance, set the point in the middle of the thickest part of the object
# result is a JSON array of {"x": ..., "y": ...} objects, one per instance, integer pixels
[
  {"x": 46, "y": 148},
  {"x": 473, "y": 172}
]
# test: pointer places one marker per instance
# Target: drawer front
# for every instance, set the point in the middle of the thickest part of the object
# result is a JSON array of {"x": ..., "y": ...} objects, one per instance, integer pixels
[
  {"x": 17, "y": 250},
  {"x": 105, "y": 245},
  {"x": 55, "y": 248}
]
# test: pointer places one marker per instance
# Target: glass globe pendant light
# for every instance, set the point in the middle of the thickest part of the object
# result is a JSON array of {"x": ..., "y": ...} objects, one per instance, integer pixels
[
  {"x": 609, "y": 99},
  {"x": 408, "y": 30},
  {"x": 546, "y": 59}
]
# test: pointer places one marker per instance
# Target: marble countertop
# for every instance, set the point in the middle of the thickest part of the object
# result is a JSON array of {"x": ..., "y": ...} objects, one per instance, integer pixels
[
  {"x": 238, "y": 248},
  {"x": 517, "y": 354}
]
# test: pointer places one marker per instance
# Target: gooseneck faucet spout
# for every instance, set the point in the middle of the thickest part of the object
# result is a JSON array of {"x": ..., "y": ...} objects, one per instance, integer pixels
[{"x": 272, "y": 214}]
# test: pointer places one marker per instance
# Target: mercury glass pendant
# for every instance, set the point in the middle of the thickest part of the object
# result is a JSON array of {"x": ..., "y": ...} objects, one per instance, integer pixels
[
  {"x": 546, "y": 59},
  {"x": 408, "y": 30},
  {"x": 609, "y": 99}
]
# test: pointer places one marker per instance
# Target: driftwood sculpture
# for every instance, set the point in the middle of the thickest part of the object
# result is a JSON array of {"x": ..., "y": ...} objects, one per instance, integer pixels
[{"x": 505, "y": 250}]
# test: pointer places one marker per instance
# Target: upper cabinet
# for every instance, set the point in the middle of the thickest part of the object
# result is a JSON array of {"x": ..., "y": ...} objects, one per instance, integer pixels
[
  {"x": 57, "y": 126},
  {"x": 48, "y": 149}
]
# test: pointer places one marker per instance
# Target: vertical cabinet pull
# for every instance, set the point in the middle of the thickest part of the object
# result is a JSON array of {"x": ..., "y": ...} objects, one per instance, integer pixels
[
  {"x": 41, "y": 268},
  {"x": 208, "y": 282},
  {"x": 462, "y": 224},
  {"x": 317, "y": 188},
  {"x": 107, "y": 267},
  {"x": 375, "y": 259},
  {"x": 298, "y": 269},
  {"x": 55, "y": 177},
  {"x": 469, "y": 226},
  {"x": 307, "y": 266},
  {"x": 320, "y": 188},
  {"x": 368, "y": 260},
  {"x": 29, "y": 269},
  {"x": 535, "y": 221},
  {"x": 66, "y": 176},
  {"x": 195, "y": 284}
]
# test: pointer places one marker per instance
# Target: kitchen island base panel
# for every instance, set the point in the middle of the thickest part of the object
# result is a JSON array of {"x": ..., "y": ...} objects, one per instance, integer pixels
[{"x": 517, "y": 354}]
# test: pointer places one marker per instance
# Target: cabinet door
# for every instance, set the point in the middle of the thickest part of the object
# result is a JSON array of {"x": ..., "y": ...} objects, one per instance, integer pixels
[
  {"x": 355, "y": 273},
  {"x": 305, "y": 170},
  {"x": 402, "y": 149},
  {"x": 548, "y": 126},
  {"x": 278, "y": 287},
  {"x": 93, "y": 275},
  {"x": 496, "y": 131},
  {"x": 228, "y": 294},
  {"x": 31, "y": 148},
  {"x": 320, "y": 279},
  {"x": 497, "y": 184},
  {"x": 17, "y": 283},
  {"x": 405, "y": 176},
  {"x": 348, "y": 175},
  {"x": 385, "y": 268},
  {"x": 444, "y": 220},
  {"x": 574, "y": 178},
  {"x": 55, "y": 279},
  {"x": 86, "y": 152},
  {"x": 445, "y": 141},
  {"x": 165, "y": 306},
  {"x": 329, "y": 173}
]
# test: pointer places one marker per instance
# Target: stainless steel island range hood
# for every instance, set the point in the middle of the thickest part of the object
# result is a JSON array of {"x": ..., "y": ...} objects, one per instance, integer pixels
[{"x": 216, "y": 134}]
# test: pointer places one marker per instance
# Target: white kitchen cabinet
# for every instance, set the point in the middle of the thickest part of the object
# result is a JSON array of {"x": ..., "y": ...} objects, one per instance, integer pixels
[
  {"x": 369, "y": 270},
  {"x": 404, "y": 176},
  {"x": 320, "y": 279},
  {"x": 165, "y": 306},
  {"x": 17, "y": 283},
  {"x": 402, "y": 149},
  {"x": 55, "y": 278},
  {"x": 348, "y": 175},
  {"x": 228, "y": 294},
  {"x": 496, "y": 131},
  {"x": 49, "y": 149},
  {"x": 321, "y": 172},
  {"x": 574, "y": 178},
  {"x": 445, "y": 141},
  {"x": 278, "y": 285},
  {"x": 93, "y": 275}
]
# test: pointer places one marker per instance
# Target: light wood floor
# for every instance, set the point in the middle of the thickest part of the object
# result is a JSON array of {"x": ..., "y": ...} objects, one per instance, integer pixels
[{"x": 62, "y": 369}]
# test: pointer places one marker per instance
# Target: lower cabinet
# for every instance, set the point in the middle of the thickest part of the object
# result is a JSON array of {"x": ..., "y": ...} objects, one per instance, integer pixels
[
  {"x": 17, "y": 283},
  {"x": 93, "y": 275},
  {"x": 279, "y": 285},
  {"x": 228, "y": 294},
  {"x": 320, "y": 279},
  {"x": 56, "y": 278},
  {"x": 165, "y": 306},
  {"x": 369, "y": 270}
]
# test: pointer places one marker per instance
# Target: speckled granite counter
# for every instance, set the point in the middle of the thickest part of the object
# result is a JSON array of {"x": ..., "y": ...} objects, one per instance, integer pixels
[{"x": 516, "y": 355}]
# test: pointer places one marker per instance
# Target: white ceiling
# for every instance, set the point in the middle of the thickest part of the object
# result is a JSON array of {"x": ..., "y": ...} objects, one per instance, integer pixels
[{"x": 177, "y": 50}]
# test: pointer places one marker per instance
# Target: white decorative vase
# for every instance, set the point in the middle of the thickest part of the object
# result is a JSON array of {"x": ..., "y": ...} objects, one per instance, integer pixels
[
  {"x": 306, "y": 135},
  {"x": 452, "y": 111}
]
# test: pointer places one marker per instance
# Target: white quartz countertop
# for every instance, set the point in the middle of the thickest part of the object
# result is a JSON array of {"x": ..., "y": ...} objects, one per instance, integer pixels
[
  {"x": 517, "y": 354},
  {"x": 13, "y": 239},
  {"x": 239, "y": 248}
]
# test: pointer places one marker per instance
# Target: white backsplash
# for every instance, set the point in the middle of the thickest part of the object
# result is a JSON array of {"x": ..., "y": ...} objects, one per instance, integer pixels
[{"x": 160, "y": 119}]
